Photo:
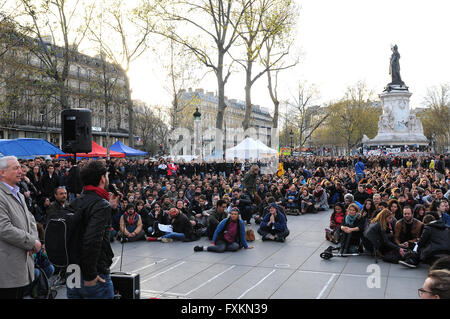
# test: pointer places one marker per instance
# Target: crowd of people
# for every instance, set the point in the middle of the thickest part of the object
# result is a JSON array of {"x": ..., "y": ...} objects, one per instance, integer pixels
[{"x": 395, "y": 206}]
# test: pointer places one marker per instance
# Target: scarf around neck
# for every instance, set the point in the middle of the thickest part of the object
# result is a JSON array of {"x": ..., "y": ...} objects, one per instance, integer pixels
[
  {"x": 349, "y": 220},
  {"x": 100, "y": 191}
]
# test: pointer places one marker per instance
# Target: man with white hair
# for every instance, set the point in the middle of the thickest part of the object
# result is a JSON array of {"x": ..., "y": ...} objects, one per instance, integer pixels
[{"x": 18, "y": 233}]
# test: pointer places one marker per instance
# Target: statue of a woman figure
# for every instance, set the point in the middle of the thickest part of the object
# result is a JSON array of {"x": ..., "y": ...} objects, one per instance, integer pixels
[{"x": 394, "y": 68}]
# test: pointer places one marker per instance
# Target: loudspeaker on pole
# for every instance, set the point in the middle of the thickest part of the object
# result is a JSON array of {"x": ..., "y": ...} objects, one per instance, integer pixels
[{"x": 76, "y": 130}]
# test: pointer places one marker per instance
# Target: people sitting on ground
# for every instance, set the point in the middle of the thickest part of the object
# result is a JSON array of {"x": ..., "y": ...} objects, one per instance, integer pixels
[
  {"x": 243, "y": 202},
  {"x": 292, "y": 200},
  {"x": 368, "y": 212},
  {"x": 306, "y": 201},
  {"x": 274, "y": 225},
  {"x": 407, "y": 230},
  {"x": 395, "y": 208},
  {"x": 441, "y": 208},
  {"x": 320, "y": 199},
  {"x": 349, "y": 199},
  {"x": 155, "y": 217},
  {"x": 336, "y": 220},
  {"x": 131, "y": 226},
  {"x": 197, "y": 211},
  {"x": 181, "y": 228},
  {"x": 216, "y": 215},
  {"x": 361, "y": 195},
  {"x": 419, "y": 212},
  {"x": 351, "y": 230},
  {"x": 434, "y": 241},
  {"x": 379, "y": 237},
  {"x": 229, "y": 235}
]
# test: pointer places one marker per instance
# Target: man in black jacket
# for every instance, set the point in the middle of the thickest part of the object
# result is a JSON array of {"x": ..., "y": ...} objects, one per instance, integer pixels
[
  {"x": 243, "y": 202},
  {"x": 95, "y": 253},
  {"x": 434, "y": 241}
]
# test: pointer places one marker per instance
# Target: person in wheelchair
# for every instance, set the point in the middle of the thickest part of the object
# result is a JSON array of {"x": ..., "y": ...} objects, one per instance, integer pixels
[{"x": 351, "y": 230}]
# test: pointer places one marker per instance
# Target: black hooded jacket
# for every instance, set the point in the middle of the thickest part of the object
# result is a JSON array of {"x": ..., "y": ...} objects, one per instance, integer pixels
[{"x": 435, "y": 239}]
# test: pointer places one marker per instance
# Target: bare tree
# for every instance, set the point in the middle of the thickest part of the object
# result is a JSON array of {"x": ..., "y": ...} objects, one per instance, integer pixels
[
  {"x": 150, "y": 125},
  {"x": 306, "y": 117},
  {"x": 436, "y": 117},
  {"x": 51, "y": 22},
  {"x": 125, "y": 41},
  {"x": 263, "y": 21},
  {"x": 213, "y": 24}
]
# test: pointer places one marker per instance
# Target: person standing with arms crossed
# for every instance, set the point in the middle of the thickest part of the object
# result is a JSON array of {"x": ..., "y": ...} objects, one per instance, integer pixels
[{"x": 18, "y": 233}]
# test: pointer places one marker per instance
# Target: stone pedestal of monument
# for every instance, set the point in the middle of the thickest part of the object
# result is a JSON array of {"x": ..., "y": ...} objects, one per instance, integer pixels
[{"x": 397, "y": 125}]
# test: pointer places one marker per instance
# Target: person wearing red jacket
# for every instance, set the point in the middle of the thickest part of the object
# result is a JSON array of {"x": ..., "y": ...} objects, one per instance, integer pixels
[
  {"x": 336, "y": 220},
  {"x": 172, "y": 169}
]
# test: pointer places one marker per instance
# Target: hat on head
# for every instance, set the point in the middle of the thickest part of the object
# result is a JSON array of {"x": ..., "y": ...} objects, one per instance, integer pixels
[
  {"x": 235, "y": 209},
  {"x": 173, "y": 212}
]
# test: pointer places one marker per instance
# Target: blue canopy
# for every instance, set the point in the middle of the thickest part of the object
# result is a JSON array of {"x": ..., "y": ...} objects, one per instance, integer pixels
[
  {"x": 28, "y": 147},
  {"x": 122, "y": 148}
]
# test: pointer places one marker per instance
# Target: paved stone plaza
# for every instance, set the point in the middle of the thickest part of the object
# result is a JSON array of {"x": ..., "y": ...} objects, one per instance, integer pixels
[{"x": 290, "y": 270}]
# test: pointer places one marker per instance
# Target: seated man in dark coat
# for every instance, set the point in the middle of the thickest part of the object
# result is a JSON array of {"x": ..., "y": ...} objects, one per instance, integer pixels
[{"x": 216, "y": 215}]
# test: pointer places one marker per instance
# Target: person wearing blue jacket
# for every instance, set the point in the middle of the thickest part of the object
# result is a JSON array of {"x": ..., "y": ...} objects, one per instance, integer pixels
[
  {"x": 229, "y": 235},
  {"x": 274, "y": 225},
  {"x": 359, "y": 170}
]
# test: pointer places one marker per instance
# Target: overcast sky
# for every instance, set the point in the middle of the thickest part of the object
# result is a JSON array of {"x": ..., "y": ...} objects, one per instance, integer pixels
[{"x": 342, "y": 42}]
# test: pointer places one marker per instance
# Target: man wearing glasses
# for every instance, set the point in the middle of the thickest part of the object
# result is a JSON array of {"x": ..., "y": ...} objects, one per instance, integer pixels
[{"x": 436, "y": 286}]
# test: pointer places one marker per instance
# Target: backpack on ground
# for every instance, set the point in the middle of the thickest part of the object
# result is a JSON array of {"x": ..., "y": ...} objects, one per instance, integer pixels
[
  {"x": 62, "y": 237},
  {"x": 40, "y": 287}
]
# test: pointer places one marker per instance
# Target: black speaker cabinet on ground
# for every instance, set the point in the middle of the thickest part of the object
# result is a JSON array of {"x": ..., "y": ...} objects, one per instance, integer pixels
[
  {"x": 76, "y": 130},
  {"x": 126, "y": 285}
]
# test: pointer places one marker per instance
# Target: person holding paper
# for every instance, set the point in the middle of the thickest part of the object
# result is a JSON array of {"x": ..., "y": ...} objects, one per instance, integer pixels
[{"x": 181, "y": 228}]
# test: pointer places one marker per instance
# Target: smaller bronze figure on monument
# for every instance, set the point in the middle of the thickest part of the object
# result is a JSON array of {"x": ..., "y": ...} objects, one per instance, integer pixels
[{"x": 394, "y": 68}]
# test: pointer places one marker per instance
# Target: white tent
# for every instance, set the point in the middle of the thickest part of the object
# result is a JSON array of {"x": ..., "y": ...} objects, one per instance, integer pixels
[{"x": 249, "y": 149}]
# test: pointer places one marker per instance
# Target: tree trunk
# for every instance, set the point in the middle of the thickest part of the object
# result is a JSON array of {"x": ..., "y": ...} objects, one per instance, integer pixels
[
  {"x": 248, "y": 96},
  {"x": 221, "y": 93},
  {"x": 130, "y": 114}
]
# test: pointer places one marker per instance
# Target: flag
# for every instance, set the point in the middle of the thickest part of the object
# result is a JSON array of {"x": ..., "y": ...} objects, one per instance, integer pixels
[{"x": 280, "y": 171}]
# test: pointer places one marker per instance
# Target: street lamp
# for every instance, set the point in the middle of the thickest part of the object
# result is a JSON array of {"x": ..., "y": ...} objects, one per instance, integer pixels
[
  {"x": 291, "y": 135},
  {"x": 197, "y": 116}
]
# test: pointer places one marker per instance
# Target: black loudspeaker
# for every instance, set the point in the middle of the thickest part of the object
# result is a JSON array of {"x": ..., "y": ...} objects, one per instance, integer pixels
[
  {"x": 126, "y": 286},
  {"x": 76, "y": 129}
]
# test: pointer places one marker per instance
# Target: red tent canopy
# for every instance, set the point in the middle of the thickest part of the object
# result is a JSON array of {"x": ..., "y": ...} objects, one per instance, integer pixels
[{"x": 97, "y": 151}]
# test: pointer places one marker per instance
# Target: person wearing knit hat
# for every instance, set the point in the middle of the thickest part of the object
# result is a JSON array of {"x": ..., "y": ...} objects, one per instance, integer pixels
[
  {"x": 274, "y": 225},
  {"x": 229, "y": 235}
]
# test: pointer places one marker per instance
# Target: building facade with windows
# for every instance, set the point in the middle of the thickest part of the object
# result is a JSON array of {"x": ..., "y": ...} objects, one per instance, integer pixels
[
  {"x": 29, "y": 102},
  {"x": 207, "y": 103}
]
